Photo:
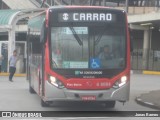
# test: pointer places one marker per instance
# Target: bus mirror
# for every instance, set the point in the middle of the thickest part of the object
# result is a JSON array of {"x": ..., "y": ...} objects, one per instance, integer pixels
[{"x": 43, "y": 34}]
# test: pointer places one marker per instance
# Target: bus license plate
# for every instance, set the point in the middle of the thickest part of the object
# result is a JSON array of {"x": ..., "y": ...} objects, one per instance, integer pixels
[{"x": 88, "y": 98}]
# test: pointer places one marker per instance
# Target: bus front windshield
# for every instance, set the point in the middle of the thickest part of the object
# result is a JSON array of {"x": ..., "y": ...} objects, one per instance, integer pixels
[{"x": 88, "y": 47}]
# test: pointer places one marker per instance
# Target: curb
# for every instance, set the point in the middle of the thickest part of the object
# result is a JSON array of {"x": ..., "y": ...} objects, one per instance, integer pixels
[
  {"x": 16, "y": 74},
  {"x": 145, "y": 72},
  {"x": 146, "y": 104},
  {"x": 151, "y": 72}
]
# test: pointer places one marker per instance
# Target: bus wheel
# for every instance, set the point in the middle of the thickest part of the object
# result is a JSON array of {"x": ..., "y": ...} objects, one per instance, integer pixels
[
  {"x": 44, "y": 104},
  {"x": 31, "y": 90},
  {"x": 110, "y": 104}
]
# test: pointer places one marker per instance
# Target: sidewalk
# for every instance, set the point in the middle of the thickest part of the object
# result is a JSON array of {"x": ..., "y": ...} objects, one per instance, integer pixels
[
  {"x": 151, "y": 99},
  {"x": 16, "y": 74}
]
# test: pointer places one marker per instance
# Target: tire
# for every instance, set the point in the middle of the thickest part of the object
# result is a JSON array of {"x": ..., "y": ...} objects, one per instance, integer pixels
[
  {"x": 110, "y": 104},
  {"x": 44, "y": 104},
  {"x": 31, "y": 90}
]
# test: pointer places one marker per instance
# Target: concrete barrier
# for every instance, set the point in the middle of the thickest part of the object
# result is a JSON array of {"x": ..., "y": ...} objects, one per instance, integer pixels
[{"x": 16, "y": 74}]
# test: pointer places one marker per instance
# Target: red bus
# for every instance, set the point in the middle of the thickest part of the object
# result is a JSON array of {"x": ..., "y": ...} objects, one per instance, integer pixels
[{"x": 79, "y": 53}]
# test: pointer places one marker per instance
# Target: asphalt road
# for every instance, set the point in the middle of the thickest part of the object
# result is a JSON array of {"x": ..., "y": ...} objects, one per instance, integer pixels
[{"x": 15, "y": 96}]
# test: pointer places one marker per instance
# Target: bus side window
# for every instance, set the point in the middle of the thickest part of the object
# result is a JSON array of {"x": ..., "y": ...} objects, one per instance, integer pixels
[{"x": 43, "y": 33}]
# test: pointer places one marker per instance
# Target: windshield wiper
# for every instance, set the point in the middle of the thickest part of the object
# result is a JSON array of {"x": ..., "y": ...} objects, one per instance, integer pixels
[
  {"x": 98, "y": 39},
  {"x": 76, "y": 36},
  {"x": 100, "y": 36}
]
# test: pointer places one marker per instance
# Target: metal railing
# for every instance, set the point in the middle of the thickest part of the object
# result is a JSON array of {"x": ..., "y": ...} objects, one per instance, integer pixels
[
  {"x": 153, "y": 60},
  {"x": 47, "y": 3}
]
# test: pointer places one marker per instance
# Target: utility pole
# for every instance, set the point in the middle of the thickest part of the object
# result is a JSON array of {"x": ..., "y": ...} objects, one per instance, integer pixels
[
  {"x": 158, "y": 3},
  {"x": 104, "y": 2},
  {"x": 43, "y": 3},
  {"x": 1, "y": 4},
  {"x": 127, "y": 1}
]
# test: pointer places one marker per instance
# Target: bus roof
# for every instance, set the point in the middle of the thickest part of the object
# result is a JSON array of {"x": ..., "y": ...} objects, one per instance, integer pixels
[{"x": 89, "y": 7}]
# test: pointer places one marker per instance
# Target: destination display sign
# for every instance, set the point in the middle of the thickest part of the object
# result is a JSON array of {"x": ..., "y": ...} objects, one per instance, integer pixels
[{"x": 86, "y": 17}]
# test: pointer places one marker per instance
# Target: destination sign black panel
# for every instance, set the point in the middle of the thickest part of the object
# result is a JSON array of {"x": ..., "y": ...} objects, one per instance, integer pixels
[{"x": 86, "y": 17}]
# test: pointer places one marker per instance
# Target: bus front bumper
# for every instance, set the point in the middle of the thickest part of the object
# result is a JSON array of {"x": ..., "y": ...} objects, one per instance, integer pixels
[{"x": 53, "y": 93}]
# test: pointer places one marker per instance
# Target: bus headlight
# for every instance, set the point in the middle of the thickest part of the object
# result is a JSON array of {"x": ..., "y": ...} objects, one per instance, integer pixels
[
  {"x": 124, "y": 79},
  {"x": 54, "y": 81},
  {"x": 120, "y": 82}
]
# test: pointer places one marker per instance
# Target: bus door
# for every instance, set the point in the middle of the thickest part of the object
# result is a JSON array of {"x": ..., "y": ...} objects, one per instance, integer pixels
[{"x": 21, "y": 49}]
